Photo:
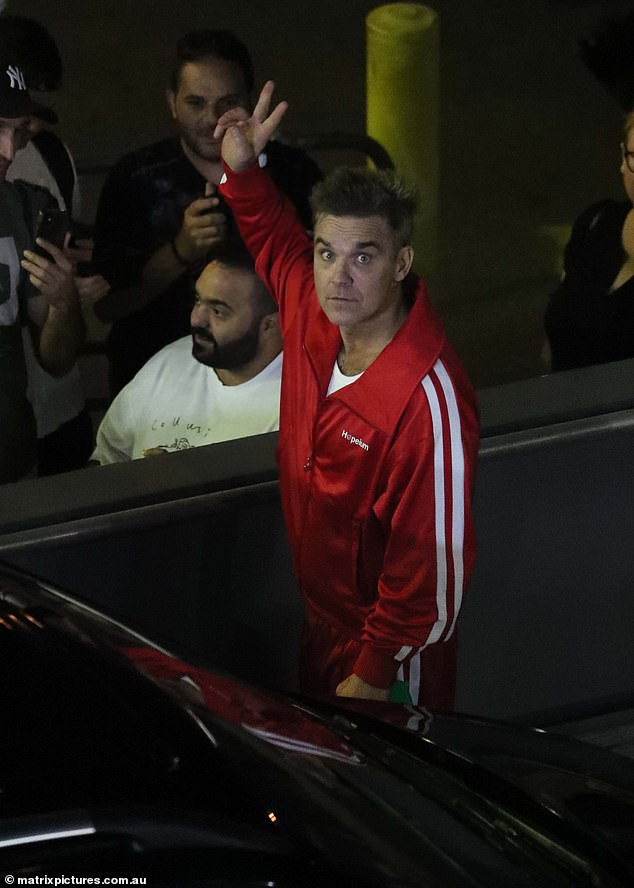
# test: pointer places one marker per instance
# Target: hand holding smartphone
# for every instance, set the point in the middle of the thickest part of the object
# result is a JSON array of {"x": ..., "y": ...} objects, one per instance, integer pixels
[{"x": 52, "y": 225}]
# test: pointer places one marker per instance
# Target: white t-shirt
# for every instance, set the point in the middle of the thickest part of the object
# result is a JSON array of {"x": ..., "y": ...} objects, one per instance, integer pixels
[
  {"x": 175, "y": 402},
  {"x": 338, "y": 380}
]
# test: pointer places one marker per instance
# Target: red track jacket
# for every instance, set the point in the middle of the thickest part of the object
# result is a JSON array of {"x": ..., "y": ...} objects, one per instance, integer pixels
[{"x": 376, "y": 479}]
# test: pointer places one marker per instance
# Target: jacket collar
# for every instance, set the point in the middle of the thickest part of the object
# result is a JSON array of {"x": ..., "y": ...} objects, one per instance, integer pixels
[{"x": 400, "y": 367}]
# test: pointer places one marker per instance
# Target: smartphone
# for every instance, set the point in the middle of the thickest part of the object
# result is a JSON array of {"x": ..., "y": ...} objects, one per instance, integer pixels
[{"x": 52, "y": 225}]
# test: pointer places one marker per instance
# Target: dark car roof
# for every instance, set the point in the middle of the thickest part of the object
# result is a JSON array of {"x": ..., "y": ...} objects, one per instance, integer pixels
[{"x": 106, "y": 738}]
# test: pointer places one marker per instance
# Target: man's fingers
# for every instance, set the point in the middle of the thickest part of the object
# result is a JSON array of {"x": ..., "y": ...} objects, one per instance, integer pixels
[
  {"x": 208, "y": 220},
  {"x": 50, "y": 248},
  {"x": 43, "y": 273},
  {"x": 91, "y": 289},
  {"x": 264, "y": 101},
  {"x": 53, "y": 251},
  {"x": 34, "y": 259},
  {"x": 35, "y": 265},
  {"x": 202, "y": 205},
  {"x": 233, "y": 117},
  {"x": 274, "y": 119},
  {"x": 211, "y": 236},
  {"x": 270, "y": 122},
  {"x": 204, "y": 230},
  {"x": 40, "y": 274}
]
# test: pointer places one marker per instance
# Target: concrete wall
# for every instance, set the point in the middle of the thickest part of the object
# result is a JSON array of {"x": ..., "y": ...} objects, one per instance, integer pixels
[
  {"x": 528, "y": 137},
  {"x": 546, "y": 623}
]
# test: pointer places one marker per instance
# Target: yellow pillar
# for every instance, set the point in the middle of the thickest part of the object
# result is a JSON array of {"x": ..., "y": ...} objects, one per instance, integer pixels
[{"x": 402, "y": 108}]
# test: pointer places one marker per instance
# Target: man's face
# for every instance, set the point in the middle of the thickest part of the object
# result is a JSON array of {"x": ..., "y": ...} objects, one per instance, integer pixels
[
  {"x": 13, "y": 136},
  {"x": 225, "y": 323},
  {"x": 206, "y": 89},
  {"x": 628, "y": 175},
  {"x": 47, "y": 99},
  {"x": 358, "y": 270}
]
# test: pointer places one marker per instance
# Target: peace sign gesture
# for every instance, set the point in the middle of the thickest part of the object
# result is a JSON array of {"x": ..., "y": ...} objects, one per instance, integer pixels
[{"x": 244, "y": 137}]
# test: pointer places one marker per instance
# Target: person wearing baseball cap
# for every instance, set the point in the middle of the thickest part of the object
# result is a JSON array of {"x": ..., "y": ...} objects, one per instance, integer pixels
[
  {"x": 33, "y": 289},
  {"x": 16, "y": 106},
  {"x": 15, "y": 100},
  {"x": 65, "y": 436},
  {"x": 34, "y": 50}
]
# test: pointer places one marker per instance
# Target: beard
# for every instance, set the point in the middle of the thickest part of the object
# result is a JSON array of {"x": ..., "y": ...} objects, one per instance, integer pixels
[
  {"x": 199, "y": 146},
  {"x": 229, "y": 355}
]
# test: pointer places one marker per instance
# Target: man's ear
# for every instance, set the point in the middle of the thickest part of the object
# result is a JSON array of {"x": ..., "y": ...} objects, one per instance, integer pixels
[
  {"x": 404, "y": 261},
  {"x": 170, "y": 96},
  {"x": 270, "y": 333},
  {"x": 270, "y": 322}
]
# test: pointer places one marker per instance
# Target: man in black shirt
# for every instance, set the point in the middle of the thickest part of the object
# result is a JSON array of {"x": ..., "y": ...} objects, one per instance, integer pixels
[{"x": 160, "y": 219}]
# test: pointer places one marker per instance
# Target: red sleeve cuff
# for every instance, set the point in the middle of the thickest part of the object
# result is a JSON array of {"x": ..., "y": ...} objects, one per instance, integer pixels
[
  {"x": 246, "y": 182},
  {"x": 376, "y": 666}
]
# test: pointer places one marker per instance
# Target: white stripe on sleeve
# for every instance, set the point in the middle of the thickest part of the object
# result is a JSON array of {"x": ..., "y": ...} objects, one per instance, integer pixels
[
  {"x": 457, "y": 490},
  {"x": 414, "y": 678},
  {"x": 457, "y": 498},
  {"x": 439, "y": 516},
  {"x": 404, "y": 651}
]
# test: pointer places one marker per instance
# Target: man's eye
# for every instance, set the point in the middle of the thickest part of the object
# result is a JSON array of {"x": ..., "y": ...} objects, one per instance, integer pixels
[
  {"x": 227, "y": 103},
  {"x": 326, "y": 255},
  {"x": 363, "y": 258},
  {"x": 195, "y": 103}
]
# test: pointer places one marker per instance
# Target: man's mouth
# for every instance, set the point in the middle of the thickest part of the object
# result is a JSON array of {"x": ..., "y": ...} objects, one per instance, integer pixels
[{"x": 203, "y": 338}]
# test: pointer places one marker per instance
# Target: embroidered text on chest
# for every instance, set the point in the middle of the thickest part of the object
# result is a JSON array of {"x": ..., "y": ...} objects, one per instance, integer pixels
[{"x": 352, "y": 440}]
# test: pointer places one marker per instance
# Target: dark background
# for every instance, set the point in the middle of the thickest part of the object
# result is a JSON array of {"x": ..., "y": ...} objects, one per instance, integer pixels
[{"x": 528, "y": 138}]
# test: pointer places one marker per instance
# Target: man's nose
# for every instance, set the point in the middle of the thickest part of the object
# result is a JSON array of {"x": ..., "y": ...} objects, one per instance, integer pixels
[
  {"x": 209, "y": 115},
  {"x": 341, "y": 273},
  {"x": 197, "y": 317}
]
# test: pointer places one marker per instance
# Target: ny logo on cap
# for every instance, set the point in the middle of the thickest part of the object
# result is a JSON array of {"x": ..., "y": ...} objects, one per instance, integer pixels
[{"x": 17, "y": 77}]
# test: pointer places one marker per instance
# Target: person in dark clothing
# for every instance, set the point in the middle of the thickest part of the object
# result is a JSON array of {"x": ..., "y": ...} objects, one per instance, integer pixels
[
  {"x": 590, "y": 317},
  {"x": 35, "y": 292},
  {"x": 160, "y": 219},
  {"x": 64, "y": 427}
]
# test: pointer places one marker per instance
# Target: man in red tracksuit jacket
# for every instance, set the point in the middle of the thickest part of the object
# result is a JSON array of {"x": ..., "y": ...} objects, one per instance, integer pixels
[{"x": 378, "y": 427}]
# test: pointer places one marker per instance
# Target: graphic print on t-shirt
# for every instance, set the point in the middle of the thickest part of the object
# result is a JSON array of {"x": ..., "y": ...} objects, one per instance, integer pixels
[
  {"x": 177, "y": 444},
  {"x": 9, "y": 274}
]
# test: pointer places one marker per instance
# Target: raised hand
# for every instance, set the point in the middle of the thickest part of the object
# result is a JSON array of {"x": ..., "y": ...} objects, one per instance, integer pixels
[{"x": 244, "y": 137}]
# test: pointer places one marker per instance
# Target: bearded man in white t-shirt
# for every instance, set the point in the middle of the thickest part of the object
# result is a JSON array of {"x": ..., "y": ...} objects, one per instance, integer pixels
[{"x": 222, "y": 382}]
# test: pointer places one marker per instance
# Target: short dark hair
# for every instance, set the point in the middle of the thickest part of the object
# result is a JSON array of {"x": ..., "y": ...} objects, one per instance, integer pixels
[
  {"x": 218, "y": 44},
  {"x": 361, "y": 192},
  {"x": 30, "y": 45},
  {"x": 234, "y": 254}
]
